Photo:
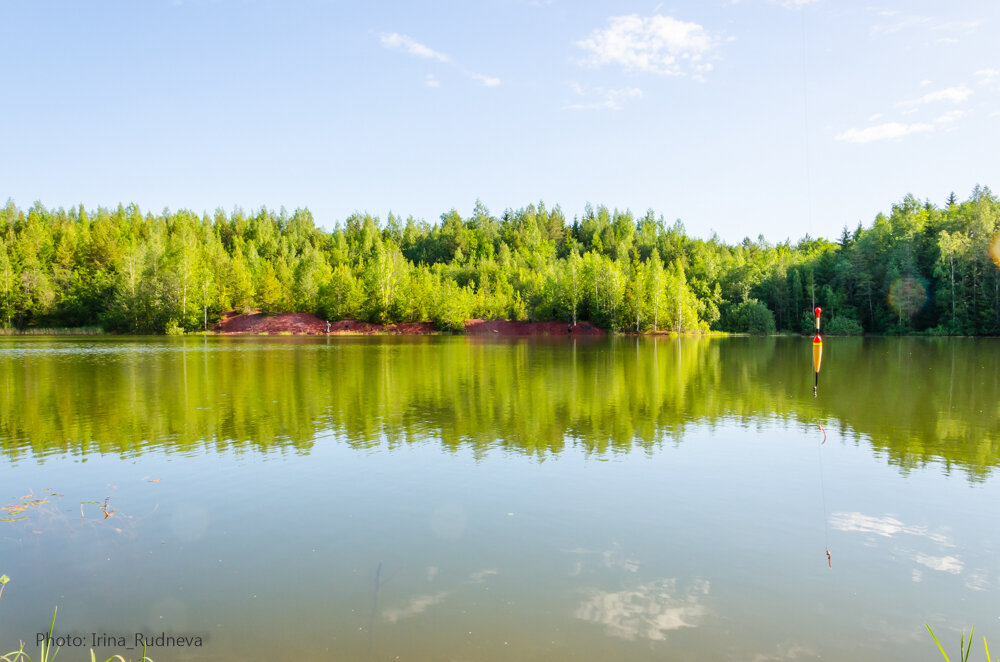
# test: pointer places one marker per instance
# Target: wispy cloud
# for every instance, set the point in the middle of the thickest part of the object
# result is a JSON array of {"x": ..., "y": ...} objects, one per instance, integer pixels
[
  {"x": 887, "y": 131},
  {"x": 956, "y": 94},
  {"x": 431, "y": 81},
  {"x": 950, "y": 117},
  {"x": 987, "y": 76},
  {"x": 401, "y": 42},
  {"x": 480, "y": 577},
  {"x": 648, "y": 611},
  {"x": 894, "y": 130},
  {"x": 654, "y": 44},
  {"x": 417, "y": 605},
  {"x": 396, "y": 41},
  {"x": 785, "y": 652},
  {"x": 894, "y": 21},
  {"x": 886, "y": 526},
  {"x": 600, "y": 98},
  {"x": 795, "y": 4},
  {"x": 948, "y": 564},
  {"x": 488, "y": 81}
]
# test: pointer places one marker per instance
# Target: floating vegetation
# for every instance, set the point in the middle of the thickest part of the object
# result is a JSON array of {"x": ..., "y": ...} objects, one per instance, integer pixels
[{"x": 13, "y": 512}]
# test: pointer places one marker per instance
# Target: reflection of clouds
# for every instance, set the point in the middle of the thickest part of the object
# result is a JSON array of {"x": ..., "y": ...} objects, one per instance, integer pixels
[
  {"x": 941, "y": 563},
  {"x": 415, "y": 606},
  {"x": 977, "y": 581},
  {"x": 648, "y": 611},
  {"x": 480, "y": 577},
  {"x": 785, "y": 652},
  {"x": 432, "y": 572},
  {"x": 615, "y": 558},
  {"x": 612, "y": 559},
  {"x": 882, "y": 526},
  {"x": 889, "y": 527}
]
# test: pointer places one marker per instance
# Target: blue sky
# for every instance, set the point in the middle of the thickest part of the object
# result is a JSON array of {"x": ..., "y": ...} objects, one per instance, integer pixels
[{"x": 753, "y": 117}]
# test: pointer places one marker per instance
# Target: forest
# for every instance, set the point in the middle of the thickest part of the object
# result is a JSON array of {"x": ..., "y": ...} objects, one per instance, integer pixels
[{"x": 920, "y": 269}]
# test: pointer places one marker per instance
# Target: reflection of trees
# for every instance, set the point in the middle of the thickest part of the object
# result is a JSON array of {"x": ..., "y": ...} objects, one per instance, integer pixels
[{"x": 917, "y": 400}]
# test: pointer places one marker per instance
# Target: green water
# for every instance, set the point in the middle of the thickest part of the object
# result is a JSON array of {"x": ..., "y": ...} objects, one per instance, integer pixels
[{"x": 464, "y": 499}]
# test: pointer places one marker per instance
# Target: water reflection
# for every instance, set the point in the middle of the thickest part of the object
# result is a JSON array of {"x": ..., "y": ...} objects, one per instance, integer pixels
[
  {"x": 646, "y": 611},
  {"x": 914, "y": 400}
]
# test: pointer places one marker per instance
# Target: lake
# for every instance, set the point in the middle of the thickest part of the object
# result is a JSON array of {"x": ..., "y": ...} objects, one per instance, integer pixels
[{"x": 453, "y": 498}]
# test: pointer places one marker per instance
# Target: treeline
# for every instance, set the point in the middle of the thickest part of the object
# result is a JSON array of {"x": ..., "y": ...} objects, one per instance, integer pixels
[{"x": 922, "y": 268}]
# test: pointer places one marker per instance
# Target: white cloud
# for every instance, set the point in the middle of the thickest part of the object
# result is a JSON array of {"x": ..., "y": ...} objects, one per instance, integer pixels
[
  {"x": 417, "y": 605},
  {"x": 977, "y": 580},
  {"x": 956, "y": 94},
  {"x": 402, "y": 42},
  {"x": 880, "y": 526},
  {"x": 600, "y": 98},
  {"x": 874, "y": 117},
  {"x": 887, "y": 526},
  {"x": 648, "y": 611},
  {"x": 396, "y": 41},
  {"x": 959, "y": 26},
  {"x": 948, "y": 564},
  {"x": 796, "y": 4},
  {"x": 785, "y": 652},
  {"x": 488, "y": 81},
  {"x": 897, "y": 25},
  {"x": 950, "y": 117},
  {"x": 987, "y": 76},
  {"x": 480, "y": 577},
  {"x": 886, "y": 131},
  {"x": 901, "y": 21},
  {"x": 924, "y": 83},
  {"x": 655, "y": 44}
]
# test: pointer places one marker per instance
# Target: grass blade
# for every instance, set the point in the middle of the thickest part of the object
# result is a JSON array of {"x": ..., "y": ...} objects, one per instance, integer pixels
[
  {"x": 967, "y": 649},
  {"x": 940, "y": 647}
]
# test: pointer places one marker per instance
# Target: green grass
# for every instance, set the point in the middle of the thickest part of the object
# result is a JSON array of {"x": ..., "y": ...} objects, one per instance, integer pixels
[
  {"x": 963, "y": 648},
  {"x": 46, "y": 654}
]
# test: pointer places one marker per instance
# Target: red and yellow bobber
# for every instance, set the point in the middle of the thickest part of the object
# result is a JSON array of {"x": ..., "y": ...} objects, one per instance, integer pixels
[{"x": 817, "y": 351}]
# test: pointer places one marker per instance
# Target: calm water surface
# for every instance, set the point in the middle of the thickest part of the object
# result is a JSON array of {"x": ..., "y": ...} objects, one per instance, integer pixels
[{"x": 458, "y": 499}]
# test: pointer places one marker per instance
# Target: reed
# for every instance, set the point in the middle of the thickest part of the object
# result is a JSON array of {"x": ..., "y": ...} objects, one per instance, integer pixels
[
  {"x": 46, "y": 654},
  {"x": 963, "y": 649}
]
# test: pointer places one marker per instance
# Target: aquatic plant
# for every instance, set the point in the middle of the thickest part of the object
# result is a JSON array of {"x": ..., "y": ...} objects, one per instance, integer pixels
[
  {"x": 963, "y": 649},
  {"x": 46, "y": 654}
]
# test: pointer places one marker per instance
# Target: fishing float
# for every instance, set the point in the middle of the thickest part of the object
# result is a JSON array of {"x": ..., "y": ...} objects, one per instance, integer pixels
[{"x": 817, "y": 352}]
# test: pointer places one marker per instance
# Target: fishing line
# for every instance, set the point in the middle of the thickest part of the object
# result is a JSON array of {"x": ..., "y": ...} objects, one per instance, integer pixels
[
  {"x": 822, "y": 490},
  {"x": 371, "y": 620},
  {"x": 805, "y": 136}
]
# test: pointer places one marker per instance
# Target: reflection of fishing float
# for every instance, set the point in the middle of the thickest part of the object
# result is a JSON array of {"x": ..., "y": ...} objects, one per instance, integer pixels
[{"x": 817, "y": 352}]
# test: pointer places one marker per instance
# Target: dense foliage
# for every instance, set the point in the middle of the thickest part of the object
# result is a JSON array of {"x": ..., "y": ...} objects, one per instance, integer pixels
[{"x": 921, "y": 268}]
